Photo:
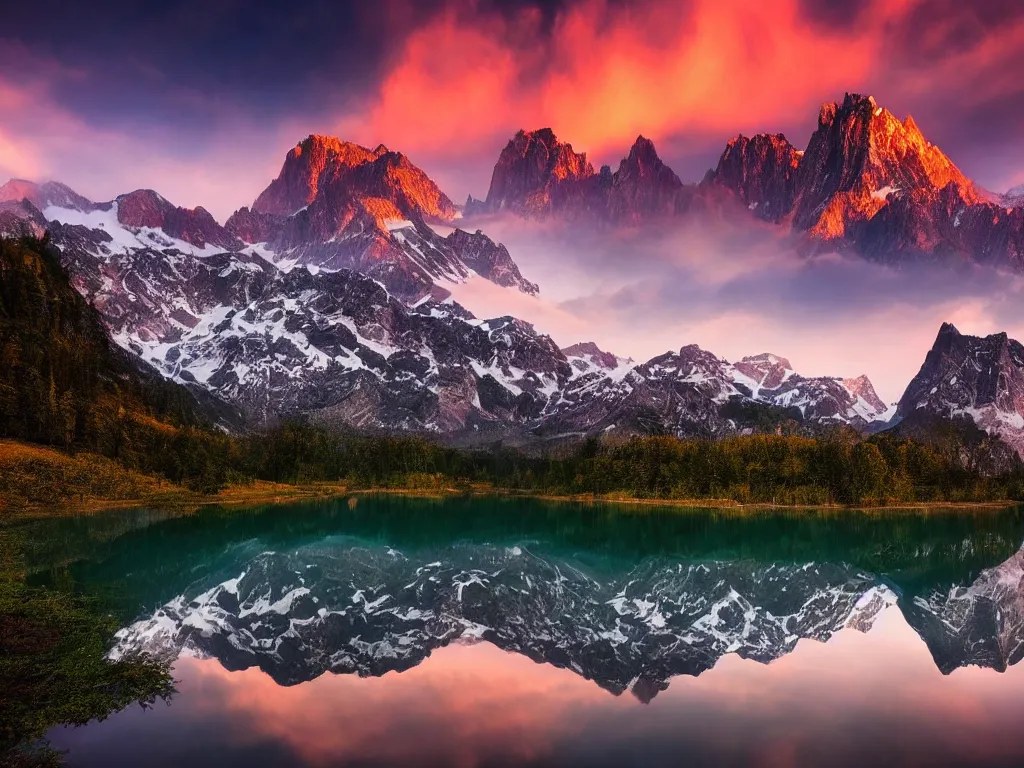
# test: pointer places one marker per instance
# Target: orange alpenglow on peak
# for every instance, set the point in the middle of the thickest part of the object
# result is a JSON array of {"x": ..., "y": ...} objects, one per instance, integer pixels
[
  {"x": 859, "y": 155},
  {"x": 859, "y": 160},
  {"x": 529, "y": 168},
  {"x": 344, "y": 170}
]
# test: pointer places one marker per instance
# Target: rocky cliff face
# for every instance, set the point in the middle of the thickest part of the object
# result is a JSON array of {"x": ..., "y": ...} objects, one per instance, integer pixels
[
  {"x": 337, "y": 205},
  {"x": 867, "y": 182},
  {"x": 1013, "y": 197},
  {"x": 644, "y": 187},
  {"x": 858, "y": 156},
  {"x": 43, "y": 195},
  {"x": 146, "y": 209},
  {"x": 587, "y": 356},
  {"x": 335, "y": 346},
  {"x": 761, "y": 171},
  {"x": 871, "y": 183},
  {"x": 278, "y": 340},
  {"x": 982, "y": 378},
  {"x": 693, "y": 392},
  {"x": 537, "y": 176},
  {"x": 537, "y": 173},
  {"x": 21, "y": 219},
  {"x": 331, "y": 170}
]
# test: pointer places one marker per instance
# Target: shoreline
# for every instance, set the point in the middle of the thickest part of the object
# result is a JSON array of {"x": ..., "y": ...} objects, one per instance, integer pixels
[
  {"x": 716, "y": 504},
  {"x": 258, "y": 493},
  {"x": 262, "y": 493}
]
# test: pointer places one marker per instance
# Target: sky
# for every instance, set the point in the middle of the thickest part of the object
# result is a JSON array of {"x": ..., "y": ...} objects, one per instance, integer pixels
[{"x": 201, "y": 99}]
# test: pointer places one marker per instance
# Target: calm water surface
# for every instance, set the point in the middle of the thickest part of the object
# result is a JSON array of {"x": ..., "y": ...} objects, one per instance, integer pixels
[{"x": 480, "y": 633}]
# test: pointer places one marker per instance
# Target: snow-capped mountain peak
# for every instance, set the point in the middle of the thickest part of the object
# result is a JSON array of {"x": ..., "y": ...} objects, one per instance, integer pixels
[{"x": 981, "y": 377}]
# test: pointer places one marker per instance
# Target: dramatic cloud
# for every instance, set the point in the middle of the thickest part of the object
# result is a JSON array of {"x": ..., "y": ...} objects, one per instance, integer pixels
[
  {"x": 690, "y": 75},
  {"x": 207, "y": 97},
  {"x": 739, "y": 291}
]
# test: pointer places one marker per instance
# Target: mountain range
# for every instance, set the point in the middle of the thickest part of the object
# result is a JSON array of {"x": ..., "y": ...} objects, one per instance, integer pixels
[
  {"x": 326, "y": 299},
  {"x": 867, "y": 182}
]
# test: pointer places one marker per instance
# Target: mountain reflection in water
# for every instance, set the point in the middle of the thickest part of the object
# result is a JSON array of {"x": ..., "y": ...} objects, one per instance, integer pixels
[{"x": 476, "y": 633}]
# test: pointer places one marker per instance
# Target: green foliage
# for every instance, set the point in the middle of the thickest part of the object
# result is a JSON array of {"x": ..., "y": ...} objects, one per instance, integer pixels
[
  {"x": 53, "y": 670},
  {"x": 63, "y": 384},
  {"x": 839, "y": 468}
]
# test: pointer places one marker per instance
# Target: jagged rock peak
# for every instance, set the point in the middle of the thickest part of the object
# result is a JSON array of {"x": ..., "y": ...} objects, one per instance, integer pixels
[
  {"x": 345, "y": 170},
  {"x": 862, "y": 387},
  {"x": 760, "y": 171},
  {"x": 530, "y": 168},
  {"x": 980, "y": 377},
  {"x": 768, "y": 358},
  {"x": 644, "y": 187},
  {"x": 643, "y": 161},
  {"x": 643, "y": 154},
  {"x": 147, "y": 208},
  {"x": 558, "y": 159},
  {"x": 858, "y": 157},
  {"x": 768, "y": 370}
]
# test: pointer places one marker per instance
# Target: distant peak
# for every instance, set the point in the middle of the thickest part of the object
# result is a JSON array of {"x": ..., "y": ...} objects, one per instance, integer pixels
[
  {"x": 857, "y": 100},
  {"x": 590, "y": 350},
  {"x": 50, "y": 193},
  {"x": 948, "y": 329},
  {"x": 17, "y": 190},
  {"x": 143, "y": 195},
  {"x": 853, "y": 103}
]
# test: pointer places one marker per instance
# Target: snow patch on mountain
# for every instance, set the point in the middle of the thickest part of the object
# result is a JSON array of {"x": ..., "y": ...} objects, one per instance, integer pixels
[{"x": 123, "y": 238}]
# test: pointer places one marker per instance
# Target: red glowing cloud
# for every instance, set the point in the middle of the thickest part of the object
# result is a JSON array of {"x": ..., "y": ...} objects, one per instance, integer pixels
[
  {"x": 605, "y": 73},
  {"x": 600, "y": 73},
  {"x": 449, "y": 82}
]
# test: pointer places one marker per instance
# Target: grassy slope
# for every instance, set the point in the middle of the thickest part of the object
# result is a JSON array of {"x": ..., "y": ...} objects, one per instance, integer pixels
[{"x": 37, "y": 479}]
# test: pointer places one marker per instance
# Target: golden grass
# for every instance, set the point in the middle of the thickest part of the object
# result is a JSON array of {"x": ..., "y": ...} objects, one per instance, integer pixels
[
  {"x": 33, "y": 475},
  {"x": 38, "y": 480}
]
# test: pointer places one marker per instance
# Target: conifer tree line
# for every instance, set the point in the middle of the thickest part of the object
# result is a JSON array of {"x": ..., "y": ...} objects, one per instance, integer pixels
[{"x": 64, "y": 384}]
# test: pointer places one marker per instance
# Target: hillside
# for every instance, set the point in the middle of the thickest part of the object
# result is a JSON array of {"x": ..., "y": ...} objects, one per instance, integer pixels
[{"x": 64, "y": 383}]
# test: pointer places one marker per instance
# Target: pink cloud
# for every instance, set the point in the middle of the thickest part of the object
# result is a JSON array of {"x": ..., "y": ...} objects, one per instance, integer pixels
[
  {"x": 739, "y": 291},
  {"x": 43, "y": 140},
  {"x": 682, "y": 74}
]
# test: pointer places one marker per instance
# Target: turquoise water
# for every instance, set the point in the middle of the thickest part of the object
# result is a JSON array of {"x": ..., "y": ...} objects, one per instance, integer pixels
[{"x": 504, "y": 632}]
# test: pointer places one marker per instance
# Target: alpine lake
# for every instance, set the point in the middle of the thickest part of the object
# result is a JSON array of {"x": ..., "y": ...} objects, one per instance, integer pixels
[{"x": 388, "y": 630}]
